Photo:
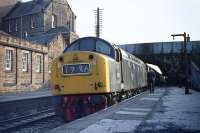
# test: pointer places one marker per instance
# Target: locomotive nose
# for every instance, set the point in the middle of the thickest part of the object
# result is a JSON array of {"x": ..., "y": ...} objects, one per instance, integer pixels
[{"x": 80, "y": 72}]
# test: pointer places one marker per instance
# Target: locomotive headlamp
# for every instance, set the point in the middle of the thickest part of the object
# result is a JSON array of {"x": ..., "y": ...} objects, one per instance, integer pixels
[
  {"x": 61, "y": 58},
  {"x": 91, "y": 57},
  {"x": 100, "y": 84},
  {"x": 57, "y": 87}
]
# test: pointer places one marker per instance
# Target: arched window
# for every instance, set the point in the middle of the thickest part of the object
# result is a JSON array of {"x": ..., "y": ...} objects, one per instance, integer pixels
[{"x": 53, "y": 21}]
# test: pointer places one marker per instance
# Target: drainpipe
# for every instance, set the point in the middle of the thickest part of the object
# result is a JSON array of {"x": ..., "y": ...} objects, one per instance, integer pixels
[
  {"x": 31, "y": 67},
  {"x": 16, "y": 68},
  {"x": 43, "y": 69}
]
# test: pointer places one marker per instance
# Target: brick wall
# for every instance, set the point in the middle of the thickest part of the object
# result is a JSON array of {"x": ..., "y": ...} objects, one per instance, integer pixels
[
  {"x": 56, "y": 47},
  {"x": 63, "y": 13},
  {"x": 24, "y": 77},
  {"x": 9, "y": 75},
  {"x": 19, "y": 80},
  {"x": 16, "y": 79},
  {"x": 37, "y": 76}
]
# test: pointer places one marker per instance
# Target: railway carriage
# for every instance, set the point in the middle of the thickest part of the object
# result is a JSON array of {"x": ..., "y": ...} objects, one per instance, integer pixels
[{"x": 92, "y": 74}]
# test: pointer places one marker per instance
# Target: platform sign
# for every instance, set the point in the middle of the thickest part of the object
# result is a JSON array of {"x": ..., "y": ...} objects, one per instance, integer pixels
[{"x": 76, "y": 69}]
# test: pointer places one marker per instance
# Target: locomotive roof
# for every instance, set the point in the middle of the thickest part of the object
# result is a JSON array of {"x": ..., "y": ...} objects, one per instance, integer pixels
[
  {"x": 88, "y": 37},
  {"x": 111, "y": 45},
  {"x": 92, "y": 44}
]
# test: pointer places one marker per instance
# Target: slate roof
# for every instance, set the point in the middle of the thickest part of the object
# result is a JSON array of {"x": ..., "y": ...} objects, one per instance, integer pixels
[
  {"x": 4, "y": 33},
  {"x": 49, "y": 35},
  {"x": 39, "y": 39},
  {"x": 26, "y": 8},
  {"x": 58, "y": 30},
  {"x": 42, "y": 39}
]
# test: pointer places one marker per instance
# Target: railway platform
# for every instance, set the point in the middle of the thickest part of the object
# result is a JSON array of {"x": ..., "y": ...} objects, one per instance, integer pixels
[
  {"x": 167, "y": 110},
  {"x": 15, "y": 96}
]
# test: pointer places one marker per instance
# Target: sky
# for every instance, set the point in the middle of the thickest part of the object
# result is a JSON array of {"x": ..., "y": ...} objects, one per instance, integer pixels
[{"x": 138, "y": 21}]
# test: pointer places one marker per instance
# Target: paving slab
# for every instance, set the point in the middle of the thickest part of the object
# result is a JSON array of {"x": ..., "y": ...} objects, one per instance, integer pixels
[
  {"x": 176, "y": 112},
  {"x": 122, "y": 117},
  {"x": 167, "y": 110}
]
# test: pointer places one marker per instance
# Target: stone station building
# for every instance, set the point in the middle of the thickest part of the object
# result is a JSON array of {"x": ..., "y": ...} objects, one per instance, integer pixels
[{"x": 32, "y": 34}]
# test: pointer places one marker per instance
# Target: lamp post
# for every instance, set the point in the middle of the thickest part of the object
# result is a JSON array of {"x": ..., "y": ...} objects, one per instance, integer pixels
[{"x": 185, "y": 57}]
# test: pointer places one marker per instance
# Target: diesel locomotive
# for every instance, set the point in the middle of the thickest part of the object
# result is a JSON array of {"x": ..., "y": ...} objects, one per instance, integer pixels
[{"x": 92, "y": 74}]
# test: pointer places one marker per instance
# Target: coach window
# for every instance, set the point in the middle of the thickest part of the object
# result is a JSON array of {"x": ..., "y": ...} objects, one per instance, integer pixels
[{"x": 8, "y": 59}]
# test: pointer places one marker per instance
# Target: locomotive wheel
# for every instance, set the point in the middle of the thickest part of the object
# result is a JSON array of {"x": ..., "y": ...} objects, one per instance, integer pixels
[
  {"x": 128, "y": 94},
  {"x": 119, "y": 97},
  {"x": 108, "y": 100},
  {"x": 114, "y": 100},
  {"x": 139, "y": 91},
  {"x": 68, "y": 115},
  {"x": 111, "y": 99}
]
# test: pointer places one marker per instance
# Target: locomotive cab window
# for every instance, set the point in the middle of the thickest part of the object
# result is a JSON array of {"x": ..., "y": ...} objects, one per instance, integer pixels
[
  {"x": 92, "y": 44},
  {"x": 73, "y": 47},
  {"x": 87, "y": 44},
  {"x": 102, "y": 47}
]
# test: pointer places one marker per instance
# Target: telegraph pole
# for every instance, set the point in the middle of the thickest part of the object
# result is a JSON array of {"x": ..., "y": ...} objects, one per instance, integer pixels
[
  {"x": 98, "y": 21},
  {"x": 186, "y": 59}
]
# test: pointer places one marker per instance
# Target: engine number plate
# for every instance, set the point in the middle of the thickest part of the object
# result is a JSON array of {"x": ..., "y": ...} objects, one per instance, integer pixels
[{"x": 76, "y": 69}]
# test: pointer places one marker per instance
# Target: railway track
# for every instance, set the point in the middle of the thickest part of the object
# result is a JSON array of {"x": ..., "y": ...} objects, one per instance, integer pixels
[
  {"x": 15, "y": 123},
  {"x": 38, "y": 122}
]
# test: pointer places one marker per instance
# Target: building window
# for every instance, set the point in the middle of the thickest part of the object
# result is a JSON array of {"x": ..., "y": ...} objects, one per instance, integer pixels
[
  {"x": 61, "y": 19},
  {"x": 8, "y": 59},
  {"x": 25, "y": 34},
  {"x": 53, "y": 21},
  {"x": 9, "y": 27},
  {"x": 49, "y": 67},
  {"x": 16, "y": 26},
  {"x": 25, "y": 61},
  {"x": 38, "y": 63},
  {"x": 33, "y": 22}
]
